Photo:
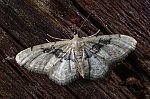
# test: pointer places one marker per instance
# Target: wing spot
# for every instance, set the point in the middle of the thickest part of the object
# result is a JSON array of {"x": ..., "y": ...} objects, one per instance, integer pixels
[
  {"x": 59, "y": 53},
  {"x": 105, "y": 41},
  {"x": 96, "y": 48},
  {"x": 47, "y": 50}
]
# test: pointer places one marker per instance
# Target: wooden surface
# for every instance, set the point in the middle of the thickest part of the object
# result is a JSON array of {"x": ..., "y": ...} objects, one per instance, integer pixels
[{"x": 25, "y": 23}]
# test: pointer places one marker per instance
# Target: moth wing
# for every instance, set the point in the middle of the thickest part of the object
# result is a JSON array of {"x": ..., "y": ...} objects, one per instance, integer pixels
[
  {"x": 102, "y": 51},
  {"x": 50, "y": 59}
]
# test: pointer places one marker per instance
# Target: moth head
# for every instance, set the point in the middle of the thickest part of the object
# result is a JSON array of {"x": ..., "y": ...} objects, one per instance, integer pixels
[{"x": 76, "y": 37}]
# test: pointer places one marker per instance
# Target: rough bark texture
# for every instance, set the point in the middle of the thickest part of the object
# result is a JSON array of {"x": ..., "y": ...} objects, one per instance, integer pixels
[{"x": 25, "y": 23}]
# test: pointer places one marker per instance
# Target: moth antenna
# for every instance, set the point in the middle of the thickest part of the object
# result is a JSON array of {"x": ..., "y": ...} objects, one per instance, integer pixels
[
  {"x": 84, "y": 21},
  {"x": 81, "y": 24},
  {"x": 56, "y": 38},
  {"x": 73, "y": 27},
  {"x": 94, "y": 34}
]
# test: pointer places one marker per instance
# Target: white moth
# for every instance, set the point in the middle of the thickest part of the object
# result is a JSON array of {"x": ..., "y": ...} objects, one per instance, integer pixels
[{"x": 89, "y": 57}]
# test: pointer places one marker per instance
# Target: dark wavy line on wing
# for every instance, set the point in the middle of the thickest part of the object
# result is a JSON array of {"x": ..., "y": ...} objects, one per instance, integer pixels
[{"x": 89, "y": 64}]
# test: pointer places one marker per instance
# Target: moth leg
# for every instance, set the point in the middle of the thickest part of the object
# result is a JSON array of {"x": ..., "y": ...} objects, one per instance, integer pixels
[
  {"x": 93, "y": 34},
  {"x": 57, "y": 38},
  {"x": 47, "y": 40}
]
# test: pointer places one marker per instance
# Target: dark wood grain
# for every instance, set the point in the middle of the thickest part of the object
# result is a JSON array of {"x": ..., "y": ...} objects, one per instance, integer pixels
[{"x": 25, "y": 23}]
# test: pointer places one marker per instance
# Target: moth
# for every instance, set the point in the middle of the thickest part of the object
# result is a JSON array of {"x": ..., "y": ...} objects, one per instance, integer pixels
[{"x": 64, "y": 61}]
